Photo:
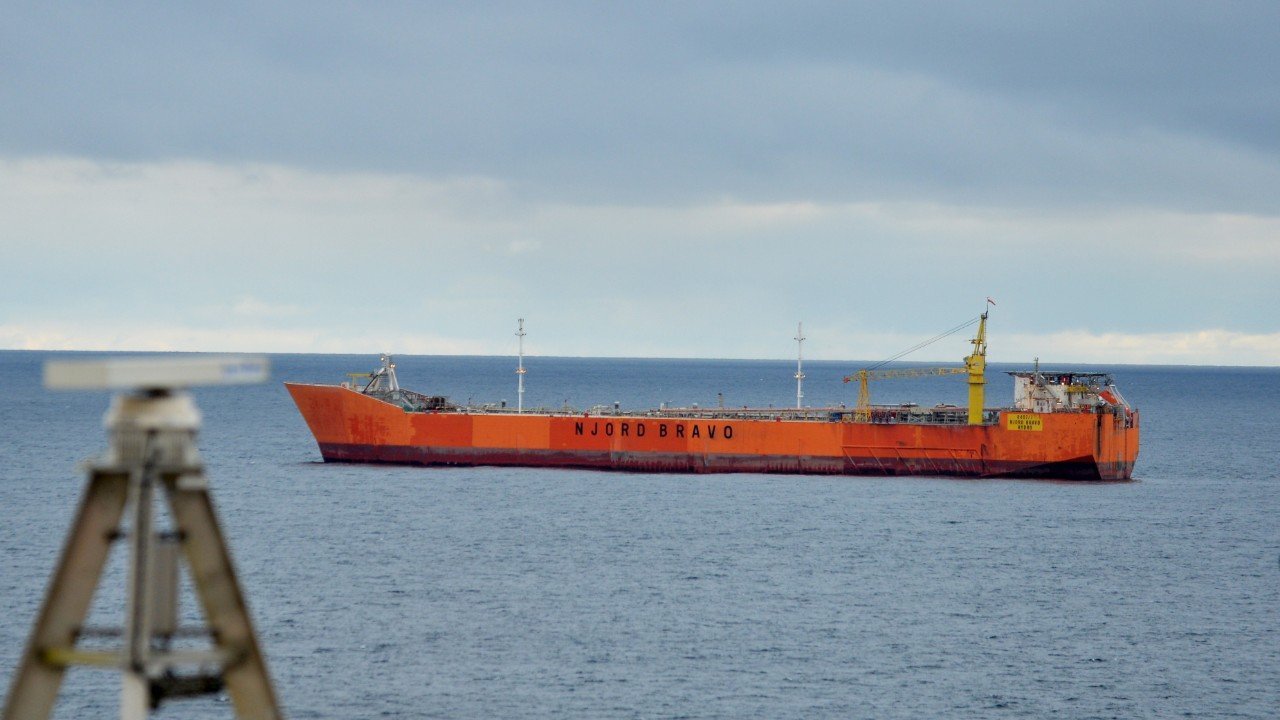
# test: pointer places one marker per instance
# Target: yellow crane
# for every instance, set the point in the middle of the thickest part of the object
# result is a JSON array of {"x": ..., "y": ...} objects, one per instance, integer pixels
[{"x": 975, "y": 365}]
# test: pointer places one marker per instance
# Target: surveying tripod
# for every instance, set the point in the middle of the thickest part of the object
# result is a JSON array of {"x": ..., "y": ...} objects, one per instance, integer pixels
[{"x": 152, "y": 455}]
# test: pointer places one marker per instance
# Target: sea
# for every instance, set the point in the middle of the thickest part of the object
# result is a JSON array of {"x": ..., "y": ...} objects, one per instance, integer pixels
[{"x": 409, "y": 592}]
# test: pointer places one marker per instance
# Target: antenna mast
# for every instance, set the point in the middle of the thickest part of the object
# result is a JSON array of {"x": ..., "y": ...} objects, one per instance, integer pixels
[
  {"x": 799, "y": 364},
  {"x": 520, "y": 369}
]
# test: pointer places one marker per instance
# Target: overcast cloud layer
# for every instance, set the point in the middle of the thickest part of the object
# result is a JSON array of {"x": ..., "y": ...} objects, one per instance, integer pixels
[{"x": 653, "y": 179}]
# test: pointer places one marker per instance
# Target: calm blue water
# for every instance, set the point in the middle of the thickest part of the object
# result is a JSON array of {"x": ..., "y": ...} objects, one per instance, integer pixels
[{"x": 511, "y": 593}]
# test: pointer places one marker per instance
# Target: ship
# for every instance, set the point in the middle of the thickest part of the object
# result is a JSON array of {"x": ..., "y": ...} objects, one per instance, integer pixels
[{"x": 1063, "y": 425}]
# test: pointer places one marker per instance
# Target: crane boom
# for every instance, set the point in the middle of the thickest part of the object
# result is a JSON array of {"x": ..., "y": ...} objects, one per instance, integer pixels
[
  {"x": 862, "y": 412},
  {"x": 975, "y": 365}
]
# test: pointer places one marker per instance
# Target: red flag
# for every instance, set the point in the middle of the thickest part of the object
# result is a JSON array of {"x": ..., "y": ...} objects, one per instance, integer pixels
[{"x": 993, "y": 302}]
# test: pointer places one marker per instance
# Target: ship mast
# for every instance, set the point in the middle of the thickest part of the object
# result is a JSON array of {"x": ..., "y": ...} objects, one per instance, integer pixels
[
  {"x": 799, "y": 364},
  {"x": 520, "y": 368}
]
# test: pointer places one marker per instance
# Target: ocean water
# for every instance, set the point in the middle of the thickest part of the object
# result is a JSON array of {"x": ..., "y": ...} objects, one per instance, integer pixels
[{"x": 385, "y": 592}]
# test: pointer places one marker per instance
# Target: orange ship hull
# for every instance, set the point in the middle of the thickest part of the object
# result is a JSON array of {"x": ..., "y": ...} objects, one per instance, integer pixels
[{"x": 352, "y": 427}]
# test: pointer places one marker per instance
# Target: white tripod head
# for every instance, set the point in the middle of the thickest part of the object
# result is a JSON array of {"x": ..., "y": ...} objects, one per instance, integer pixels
[{"x": 156, "y": 404}]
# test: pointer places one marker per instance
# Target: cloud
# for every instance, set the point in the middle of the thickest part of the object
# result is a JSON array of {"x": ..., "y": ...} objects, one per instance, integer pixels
[
  {"x": 1205, "y": 347},
  {"x": 155, "y": 337},
  {"x": 523, "y": 246},
  {"x": 201, "y": 249},
  {"x": 251, "y": 307},
  {"x": 689, "y": 179},
  {"x": 1040, "y": 107},
  {"x": 1202, "y": 347}
]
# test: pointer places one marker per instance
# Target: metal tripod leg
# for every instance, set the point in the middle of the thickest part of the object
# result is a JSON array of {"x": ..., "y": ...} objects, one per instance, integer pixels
[
  {"x": 227, "y": 614},
  {"x": 241, "y": 668},
  {"x": 52, "y": 644}
]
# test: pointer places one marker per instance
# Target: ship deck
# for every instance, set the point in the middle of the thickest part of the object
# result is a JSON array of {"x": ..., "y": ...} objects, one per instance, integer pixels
[
  {"x": 892, "y": 414},
  {"x": 911, "y": 414}
]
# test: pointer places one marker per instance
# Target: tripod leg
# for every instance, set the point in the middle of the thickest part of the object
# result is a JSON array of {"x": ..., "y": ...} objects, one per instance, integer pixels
[
  {"x": 225, "y": 609},
  {"x": 66, "y": 603}
]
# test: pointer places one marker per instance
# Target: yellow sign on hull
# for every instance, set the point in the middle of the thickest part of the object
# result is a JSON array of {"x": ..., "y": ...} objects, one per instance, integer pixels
[{"x": 1023, "y": 421}]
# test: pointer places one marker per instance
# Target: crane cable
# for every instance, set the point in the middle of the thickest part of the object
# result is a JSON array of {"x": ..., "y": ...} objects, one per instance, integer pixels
[{"x": 930, "y": 341}]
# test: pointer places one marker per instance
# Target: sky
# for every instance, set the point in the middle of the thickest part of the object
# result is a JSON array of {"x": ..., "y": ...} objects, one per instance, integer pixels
[{"x": 644, "y": 179}]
